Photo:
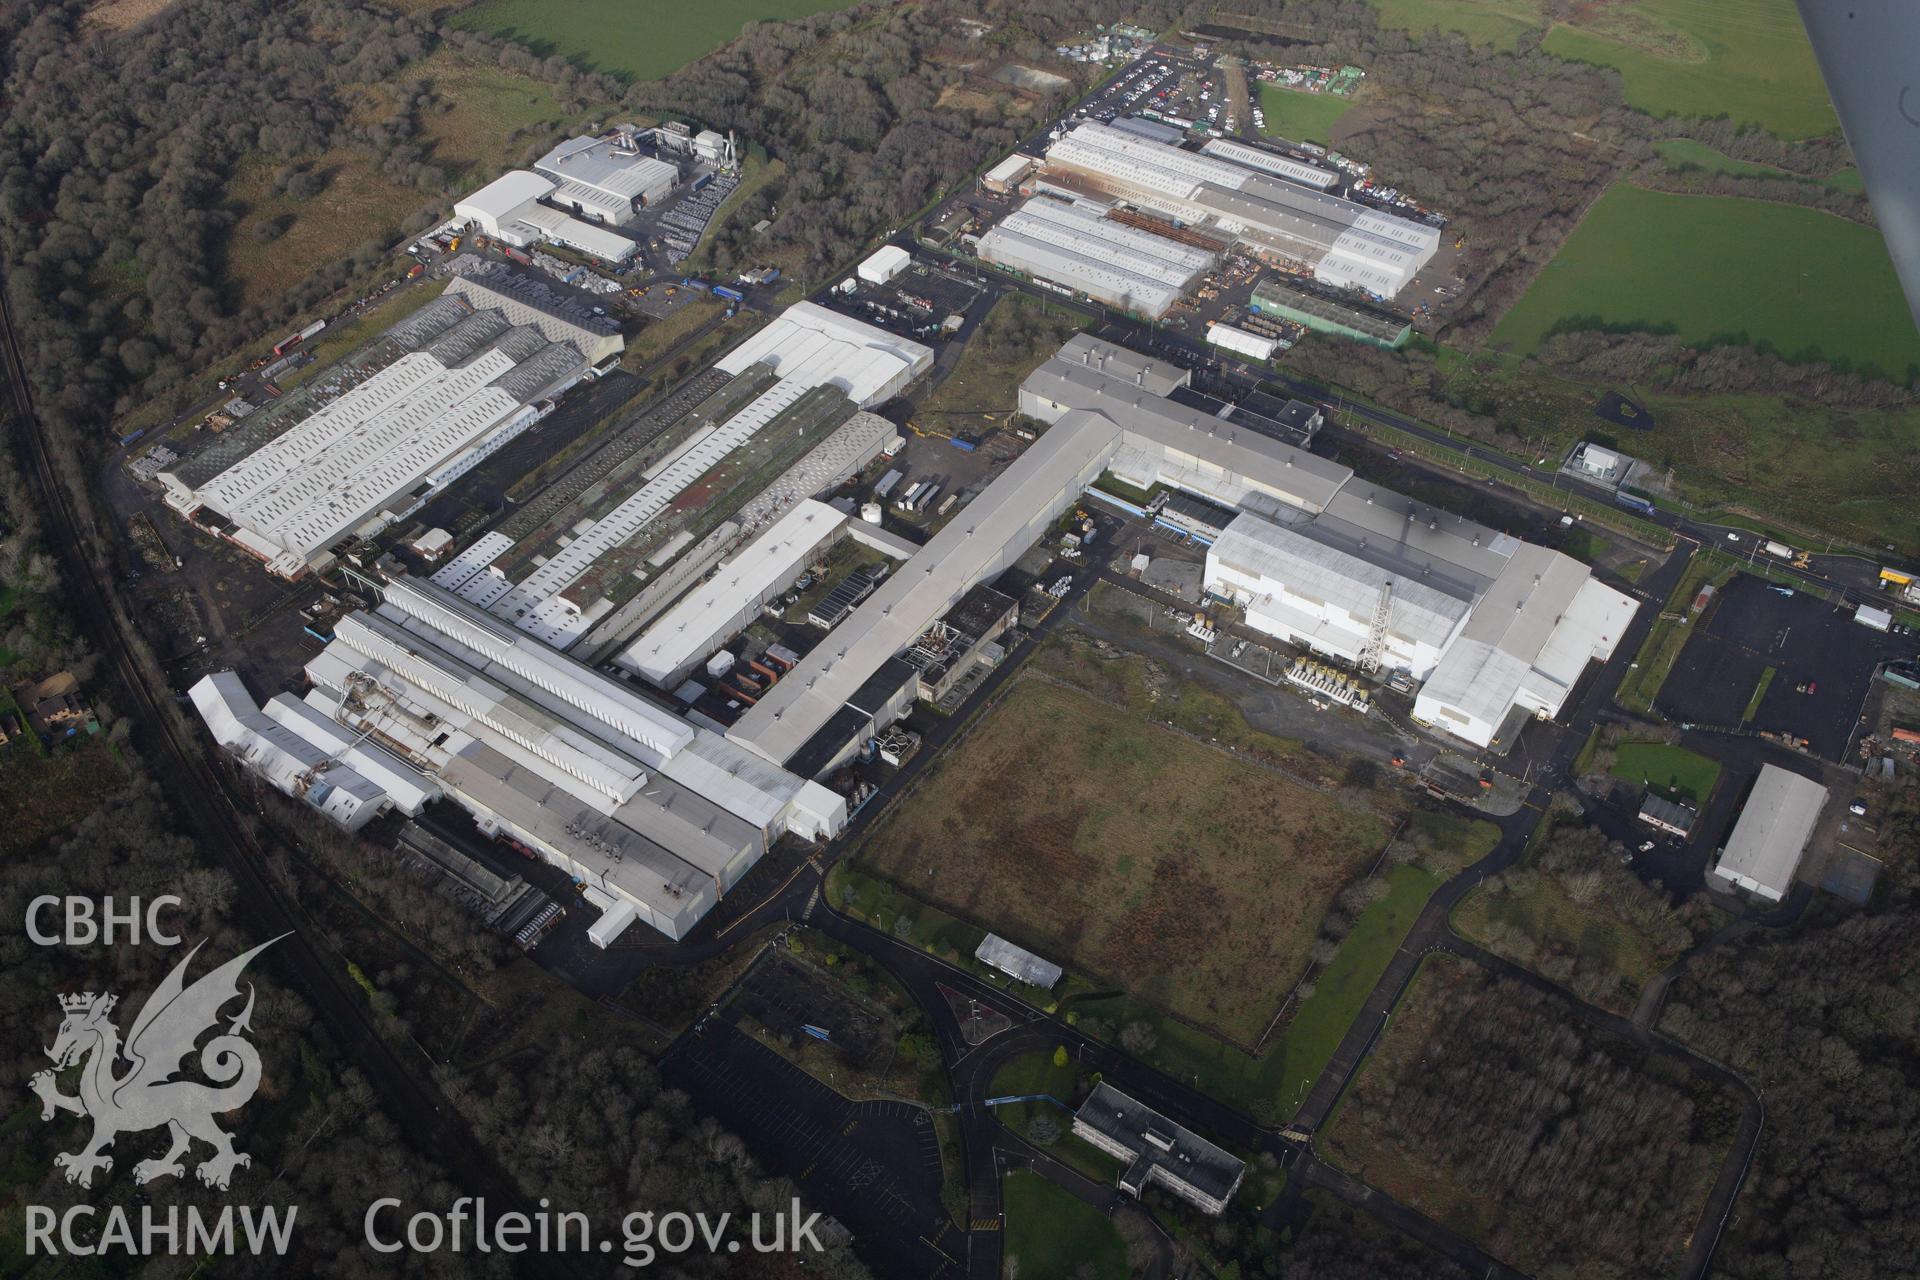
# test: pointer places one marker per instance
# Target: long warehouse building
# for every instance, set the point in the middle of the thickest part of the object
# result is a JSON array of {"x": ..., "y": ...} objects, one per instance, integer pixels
[
  {"x": 622, "y": 794},
  {"x": 1494, "y": 624},
  {"x": 1347, "y": 244},
  {"x": 810, "y": 367},
  {"x": 1075, "y": 245},
  {"x": 469, "y": 381}
]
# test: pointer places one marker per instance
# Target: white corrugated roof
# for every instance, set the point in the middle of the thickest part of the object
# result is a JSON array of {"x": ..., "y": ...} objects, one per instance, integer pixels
[
  {"x": 815, "y": 346},
  {"x": 689, "y": 630},
  {"x": 502, "y": 197},
  {"x": 1773, "y": 829}
]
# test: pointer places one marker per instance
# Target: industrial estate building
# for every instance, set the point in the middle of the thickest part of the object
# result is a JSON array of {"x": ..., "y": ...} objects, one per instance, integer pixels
[
  {"x": 810, "y": 371},
  {"x": 524, "y": 298},
  {"x": 1246, "y": 195},
  {"x": 427, "y": 696},
  {"x": 1075, "y": 245},
  {"x": 473, "y": 371},
  {"x": 1154, "y": 1151},
  {"x": 1492, "y": 624},
  {"x": 606, "y": 179},
  {"x": 706, "y": 617},
  {"x": 1320, "y": 309},
  {"x": 308, "y": 756},
  {"x": 512, "y": 210},
  {"x": 1763, "y": 853}
]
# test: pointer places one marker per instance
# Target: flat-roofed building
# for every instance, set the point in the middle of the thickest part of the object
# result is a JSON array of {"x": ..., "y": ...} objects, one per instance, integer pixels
[
  {"x": 1763, "y": 853},
  {"x": 809, "y": 345},
  {"x": 558, "y": 313},
  {"x": 1327, "y": 311},
  {"x": 290, "y": 747},
  {"x": 680, "y": 640},
  {"x": 1154, "y": 1151},
  {"x": 606, "y": 179},
  {"x": 622, "y": 793},
  {"x": 511, "y": 210}
]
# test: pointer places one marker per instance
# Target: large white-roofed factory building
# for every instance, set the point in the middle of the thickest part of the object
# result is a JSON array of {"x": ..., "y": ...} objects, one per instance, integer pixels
[
  {"x": 1494, "y": 625},
  {"x": 438, "y": 698},
  {"x": 469, "y": 380},
  {"x": 1266, "y": 202},
  {"x": 1075, "y": 245},
  {"x": 606, "y": 179}
]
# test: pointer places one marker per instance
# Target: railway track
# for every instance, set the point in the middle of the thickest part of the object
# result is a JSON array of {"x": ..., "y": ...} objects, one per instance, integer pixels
[{"x": 214, "y": 815}]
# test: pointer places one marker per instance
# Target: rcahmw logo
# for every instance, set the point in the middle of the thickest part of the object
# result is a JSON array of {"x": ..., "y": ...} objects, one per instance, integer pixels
[{"x": 146, "y": 1095}]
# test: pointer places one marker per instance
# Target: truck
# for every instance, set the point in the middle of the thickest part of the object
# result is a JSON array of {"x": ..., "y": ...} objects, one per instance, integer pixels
[
  {"x": 1778, "y": 550},
  {"x": 732, "y": 295},
  {"x": 1633, "y": 503},
  {"x": 415, "y": 271},
  {"x": 701, "y": 181}
]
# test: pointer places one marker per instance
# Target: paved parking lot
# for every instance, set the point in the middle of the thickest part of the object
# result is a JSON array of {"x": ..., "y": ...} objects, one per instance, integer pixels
[
  {"x": 875, "y": 1166},
  {"x": 1806, "y": 640}
]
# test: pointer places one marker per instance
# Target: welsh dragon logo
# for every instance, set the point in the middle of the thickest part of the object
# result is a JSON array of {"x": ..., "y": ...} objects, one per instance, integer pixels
[{"x": 145, "y": 1095}]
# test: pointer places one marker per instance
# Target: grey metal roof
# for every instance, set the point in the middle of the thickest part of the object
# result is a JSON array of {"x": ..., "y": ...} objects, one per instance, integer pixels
[
  {"x": 1774, "y": 827},
  {"x": 1017, "y": 962},
  {"x": 1187, "y": 1156}
]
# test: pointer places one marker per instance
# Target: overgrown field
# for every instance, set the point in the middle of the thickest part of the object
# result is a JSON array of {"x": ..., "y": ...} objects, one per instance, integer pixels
[
  {"x": 644, "y": 42},
  {"x": 1489, "y": 1108},
  {"x": 1803, "y": 283},
  {"x": 1017, "y": 336},
  {"x": 1848, "y": 472},
  {"x": 1746, "y": 59},
  {"x": 1090, "y": 833},
  {"x": 279, "y": 240}
]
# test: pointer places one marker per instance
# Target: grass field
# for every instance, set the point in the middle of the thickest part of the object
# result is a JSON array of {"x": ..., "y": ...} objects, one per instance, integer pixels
[
  {"x": 357, "y": 206},
  {"x": 486, "y": 108},
  {"x": 1051, "y": 1232},
  {"x": 1675, "y": 772},
  {"x": 1495, "y": 22},
  {"x": 1760, "y": 688},
  {"x": 1301, "y": 117},
  {"x": 1804, "y": 283},
  {"x": 1685, "y": 153},
  {"x": 1847, "y": 472},
  {"x": 1102, "y": 840},
  {"x": 1748, "y": 59},
  {"x": 641, "y": 42}
]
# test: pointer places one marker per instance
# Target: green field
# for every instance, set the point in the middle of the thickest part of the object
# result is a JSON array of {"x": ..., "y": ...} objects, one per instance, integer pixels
[
  {"x": 1811, "y": 467},
  {"x": 1495, "y": 22},
  {"x": 637, "y": 41},
  {"x": 1675, "y": 772},
  {"x": 1748, "y": 59},
  {"x": 1797, "y": 281},
  {"x": 1050, "y": 1232},
  {"x": 1302, "y": 117},
  {"x": 1685, "y": 153}
]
